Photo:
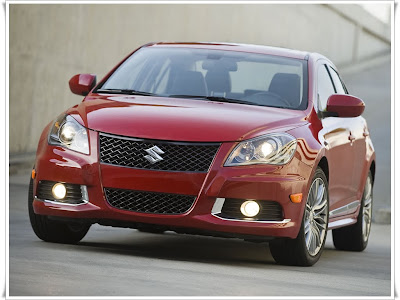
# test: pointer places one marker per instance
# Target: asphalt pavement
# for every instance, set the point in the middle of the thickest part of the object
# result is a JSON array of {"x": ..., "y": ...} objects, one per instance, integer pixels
[{"x": 124, "y": 262}]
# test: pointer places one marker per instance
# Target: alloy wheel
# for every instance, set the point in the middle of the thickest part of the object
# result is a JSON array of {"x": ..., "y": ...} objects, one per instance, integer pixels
[
  {"x": 316, "y": 217},
  {"x": 367, "y": 209}
]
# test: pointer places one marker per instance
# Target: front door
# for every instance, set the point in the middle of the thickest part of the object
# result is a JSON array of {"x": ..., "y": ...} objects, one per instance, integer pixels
[{"x": 338, "y": 139}]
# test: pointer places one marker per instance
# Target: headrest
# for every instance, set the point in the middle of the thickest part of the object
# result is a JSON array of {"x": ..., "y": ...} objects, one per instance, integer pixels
[
  {"x": 218, "y": 80},
  {"x": 228, "y": 65},
  {"x": 189, "y": 83}
]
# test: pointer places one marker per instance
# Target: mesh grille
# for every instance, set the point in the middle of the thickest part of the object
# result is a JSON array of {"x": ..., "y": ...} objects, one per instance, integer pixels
[
  {"x": 149, "y": 202},
  {"x": 269, "y": 210},
  {"x": 184, "y": 157}
]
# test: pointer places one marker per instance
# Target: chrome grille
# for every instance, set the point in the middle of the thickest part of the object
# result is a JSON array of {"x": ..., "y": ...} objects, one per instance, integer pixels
[
  {"x": 149, "y": 202},
  {"x": 177, "y": 156}
]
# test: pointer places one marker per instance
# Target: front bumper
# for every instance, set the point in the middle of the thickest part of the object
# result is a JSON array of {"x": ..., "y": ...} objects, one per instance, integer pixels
[{"x": 259, "y": 182}]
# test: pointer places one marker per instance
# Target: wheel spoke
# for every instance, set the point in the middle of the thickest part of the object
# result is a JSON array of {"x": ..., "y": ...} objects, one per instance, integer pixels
[
  {"x": 365, "y": 228},
  {"x": 307, "y": 227},
  {"x": 320, "y": 194},
  {"x": 320, "y": 207},
  {"x": 367, "y": 218},
  {"x": 312, "y": 242},
  {"x": 368, "y": 188},
  {"x": 367, "y": 212},
  {"x": 320, "y": 219},
  {"x": 315, "y": 194},
  {"x": 317, "y": 237},
  {"x": 320, "y": 224},
  {"x": 310, "y": 200},
  {"x": 367, "y": 202},
  {"x": 308, "y": 239}
]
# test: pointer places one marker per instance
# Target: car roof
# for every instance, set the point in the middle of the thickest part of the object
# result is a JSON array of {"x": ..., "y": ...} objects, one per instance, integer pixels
[{"x": 236, "y": 47}]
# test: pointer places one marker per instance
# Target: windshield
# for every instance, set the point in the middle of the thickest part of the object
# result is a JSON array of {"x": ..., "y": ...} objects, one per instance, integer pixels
[{"x": 216, "y": 75}]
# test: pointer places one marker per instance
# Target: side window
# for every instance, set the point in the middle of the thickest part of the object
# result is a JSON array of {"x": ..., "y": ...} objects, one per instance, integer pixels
[
  {"x": 336, "y": 81},
  {"x": 324, "y": 87}
]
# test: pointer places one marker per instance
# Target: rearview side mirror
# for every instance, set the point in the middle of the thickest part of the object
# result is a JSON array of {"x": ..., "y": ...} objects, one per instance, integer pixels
[
  {"x": 82, "y": 84},
  {"x": 345, "y": 106}
]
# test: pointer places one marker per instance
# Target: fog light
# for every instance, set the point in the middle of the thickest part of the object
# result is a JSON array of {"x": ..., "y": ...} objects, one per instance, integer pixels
[
  {"x": 59, "y": 191},
  {"x": 250, "y": 208}
]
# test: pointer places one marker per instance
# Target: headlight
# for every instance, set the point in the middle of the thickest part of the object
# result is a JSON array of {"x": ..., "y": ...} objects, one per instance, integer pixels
[
  {"x": 274, "y": 148},
  {"x": 67, "y": 132}
]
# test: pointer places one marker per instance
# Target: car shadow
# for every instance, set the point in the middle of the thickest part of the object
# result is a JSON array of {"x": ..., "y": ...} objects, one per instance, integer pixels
[{"x": 181, "y": 247}]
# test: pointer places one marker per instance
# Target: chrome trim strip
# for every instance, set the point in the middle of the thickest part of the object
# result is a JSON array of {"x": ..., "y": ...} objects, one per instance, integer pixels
[
  {"x": 265, "y": 222},
  {"x": 343, "y": 222},
  {"x": 346, "y": 209},
  {"x": 61, "y": 203},
  {"x": 217, "y": 208},
  {"x": 85, "y": 195}
]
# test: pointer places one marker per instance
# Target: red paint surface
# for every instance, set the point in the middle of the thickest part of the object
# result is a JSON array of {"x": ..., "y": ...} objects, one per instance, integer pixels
[
  {"x": 342, "y": 142},
  {"x": 346, "y": 106},
  {"x": 180, "y": 119},
  {"x": 81, "y": 84}
]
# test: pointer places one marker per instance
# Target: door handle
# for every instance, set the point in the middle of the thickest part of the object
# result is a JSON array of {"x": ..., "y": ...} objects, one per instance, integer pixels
[{"x": 351, "y": 137}]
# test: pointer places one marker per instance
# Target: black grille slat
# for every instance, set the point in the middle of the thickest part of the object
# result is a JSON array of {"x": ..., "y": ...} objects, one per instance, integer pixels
[
  {"x": 149, "y": 202},
  {"x": 270, "y": 210},
  {"x": 184, "y": 157}
]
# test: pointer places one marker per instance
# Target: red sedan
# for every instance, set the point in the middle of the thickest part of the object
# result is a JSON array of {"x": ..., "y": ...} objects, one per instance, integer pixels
[{"x": 230, "y": 140}]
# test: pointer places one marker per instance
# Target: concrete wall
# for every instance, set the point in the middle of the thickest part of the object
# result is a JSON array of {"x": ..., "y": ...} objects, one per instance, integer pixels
[
  {"x": 51, "y": 43},
  {"x": 371, "y": 82}
]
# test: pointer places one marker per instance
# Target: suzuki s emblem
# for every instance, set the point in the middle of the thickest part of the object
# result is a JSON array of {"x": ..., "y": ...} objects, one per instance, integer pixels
[{"x": 154, "y": 156}]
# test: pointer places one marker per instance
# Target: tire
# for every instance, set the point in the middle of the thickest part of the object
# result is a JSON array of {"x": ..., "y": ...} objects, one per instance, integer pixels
[
  {"x": 355, "y": 237},
  {"x": 306, "y": 248},
  {"x": 54, "y": 231}
]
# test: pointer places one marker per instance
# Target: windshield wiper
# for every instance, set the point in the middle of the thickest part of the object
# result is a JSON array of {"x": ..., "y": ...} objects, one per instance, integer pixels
[
  {"x": 124, "y": 91},
  {"x": 214, "y": 98}
]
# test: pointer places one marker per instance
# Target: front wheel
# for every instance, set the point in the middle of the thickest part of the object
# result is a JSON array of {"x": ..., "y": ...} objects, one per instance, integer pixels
[
  {"x": 52, "y": 231},
  {"x": 355, "y": 237},
  {"x": 307, "y": 247}
]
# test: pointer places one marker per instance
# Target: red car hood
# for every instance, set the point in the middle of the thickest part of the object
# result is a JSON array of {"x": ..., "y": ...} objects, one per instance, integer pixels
[{"x": 181, "y": 119}]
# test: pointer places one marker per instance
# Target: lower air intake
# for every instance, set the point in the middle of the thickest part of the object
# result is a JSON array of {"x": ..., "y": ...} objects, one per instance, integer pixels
[
  {"x": 269, "y": 210},
  {"x": 149, "y": 202},
  {"x": 76, "y": 194}
]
